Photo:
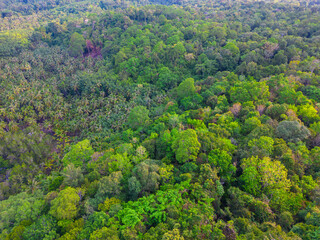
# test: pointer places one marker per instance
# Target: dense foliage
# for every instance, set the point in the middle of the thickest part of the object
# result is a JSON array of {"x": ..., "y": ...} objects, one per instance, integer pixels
[{"x": 149, "y": 120}]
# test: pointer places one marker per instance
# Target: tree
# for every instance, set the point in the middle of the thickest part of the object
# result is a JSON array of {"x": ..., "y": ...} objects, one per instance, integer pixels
[
  {"x": 147, "y": 174},
  {"x": 269, "y": 49},
  {"x": 306, "y": 231},
  {"x": 109, "y": 186},
  {"x": 10, "y": 46},
  {"x": 167, "y": 79},
  {"x": 250, "y": 124},
  {"x": 108, "y": 203},
  {"x": 292, "y": 131},
  {"x": 20, "y": 207},
  {"x": 76, "y": 45},
  {"x": 55, "y": 183},
  {"x": 286, "y": 220},
  {"x": 249, "y": 90},
  {"x": 177, "y": 50},
  {"x": 219, "y": 33},
  {"x": 276, "y": 111},
  {"x": 312, "y": 92},
  {"x": 79, "y": 154},
  {"x": 16, "y": 233},
  {"x": 251, "y": 179},
  {"x": 191, "y": 102},
  {"x": 243, "y": 205},
  {"x": 73, "y": 176},
  {"x": 70, "y": 228},
  {"x": 308, "y": 114},
  {"x": 30, "y": 146},
  {"x": 65, "y": 205},
  {"x": 223, "y": 161},
  {"x": 264, "y": 176},
  {"x": 95, "y": 221},
  {"x": 134, "y": 187},
  {"x": 138, "y": 117},
  {"x": 119, "y": 58},
  {"x": 173, "y": 235},
  {"x": 44, "y": 228},
  {"x": 290, "y": 96},
  {"x": 280, "y": 58},
  {"x": 156, "y": 232},
  {"x": 228, "y": 57},
  {"x": 129, "y": 217},
  {"x": 186, "y": 146},
  {"x": 105, "y": 233},
  {"x": 262, "y": 147},
  {"x": 186, "y": 88}
]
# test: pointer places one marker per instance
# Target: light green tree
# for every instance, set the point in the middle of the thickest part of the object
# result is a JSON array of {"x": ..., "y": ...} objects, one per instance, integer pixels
[
  {"x": 223, "y": 161},
  {"x": 105, "y": 233},
  {"x": 65, "y": 205},
  {"x": 262, "y": 147},
  {"x": 186, "y": 146},
  {"x": 264, "y": 176},
  {"x": 308, "y": 114},
  {"x": 173, "y": 235},
  {"x": 76, "y": 45},
  {"x": 20, "y": 207},
  {"x": 79, "y": 154},
  {"x": 186, "y": 88}
]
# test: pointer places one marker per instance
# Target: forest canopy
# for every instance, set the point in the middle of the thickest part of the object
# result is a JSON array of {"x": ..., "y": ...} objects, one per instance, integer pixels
[{"x": 159, "y": 119}]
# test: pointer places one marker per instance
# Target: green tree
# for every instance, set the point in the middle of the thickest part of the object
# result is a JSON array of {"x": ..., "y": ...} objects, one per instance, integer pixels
[
  {"x": 177, "y": 51},
  {"x": 167, "y": 79},
  {"x": 65, "y": 205},
  {"x": 292, "y": 131},
  {"x": 262, "y": 147},
  {"x": 308, "y": 114},
  {"x": 120, "y": 162},
  {"x": 249, "y": 90},
  {"x": 192, "y": 102},
  {"x": 105, "y": 233},
  {"x": 250, "y": 124},
  {"x": 312, "y": 92},
  {"x": 16, "y": 233},
  {"x": 71, "y": 229},
  {"x": 44, "y": 228},
  {"x": 280, "y": 58},
  {"x": 228, "y": 57},
  {"x": 186, "y": 146},
  {"x": 76, "y": 45},
  {"x": 286, "y": 220},
  {"x": 306, "y": 231},
  {"x": 147, "y": 174},
  {"x": 186, "y": 88},
  {"x": 73, "y": 176},
  {"x": 134, "y": 187},
  {"x": 276, "y": 111},
  {"x": 223, "y": 161},
  {"x": 138, "y": 117},
  {"x": 96, "y": 221},
  {"x": 173, "y": 235},
  {"x": 79, "y": 154},
  {"x": 30, "y": 146},
  {"x": 264, "y": 176},
  {"x": 20, "y": 207},
  {"x": 109, "y": 186}
]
